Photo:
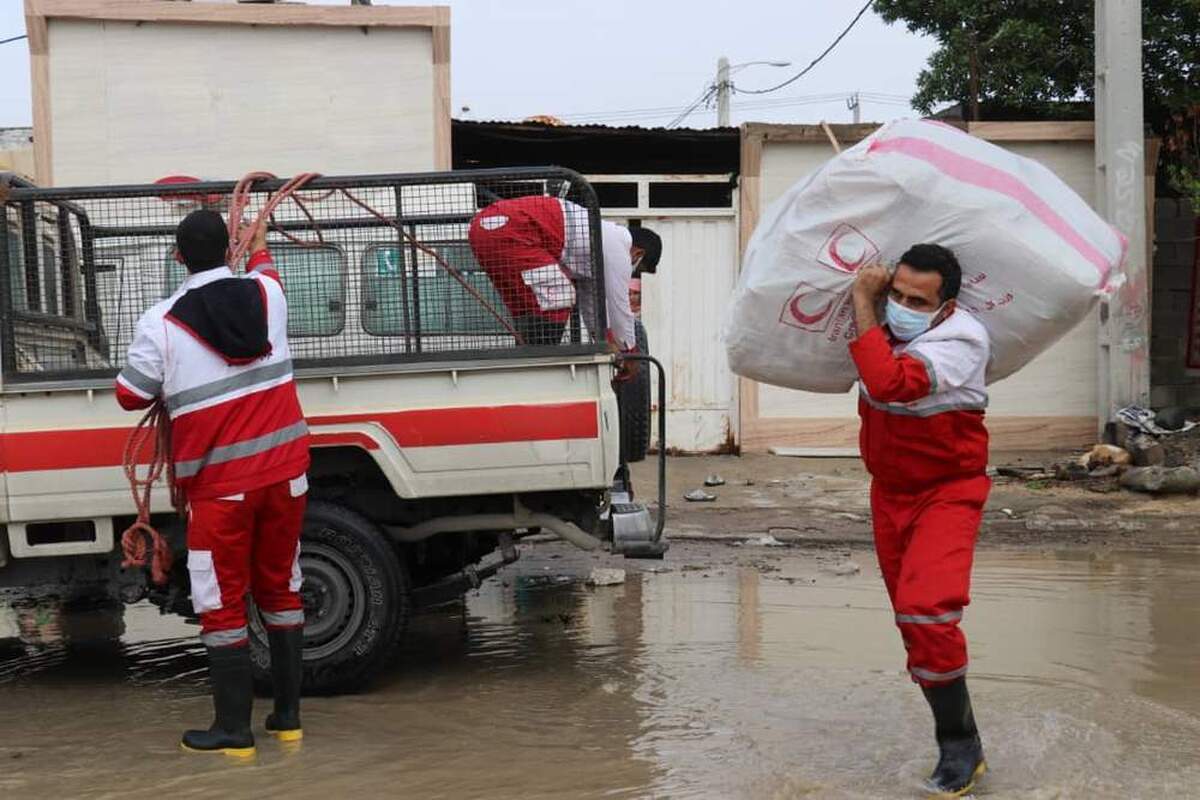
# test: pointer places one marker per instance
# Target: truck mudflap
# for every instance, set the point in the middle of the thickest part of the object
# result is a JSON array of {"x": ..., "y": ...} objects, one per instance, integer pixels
[{"x": 636, "y": 532}]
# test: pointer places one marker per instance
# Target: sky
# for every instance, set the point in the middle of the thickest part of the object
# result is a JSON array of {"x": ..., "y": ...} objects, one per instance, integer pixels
[{"x": 634, "y": 62}]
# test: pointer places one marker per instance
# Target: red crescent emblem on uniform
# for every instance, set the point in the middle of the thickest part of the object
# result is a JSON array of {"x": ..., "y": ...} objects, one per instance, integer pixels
[{"x": 808, "y": 319}]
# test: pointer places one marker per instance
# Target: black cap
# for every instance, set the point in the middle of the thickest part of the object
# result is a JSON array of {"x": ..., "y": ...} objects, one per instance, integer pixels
[{"x": 202, "y": 238}]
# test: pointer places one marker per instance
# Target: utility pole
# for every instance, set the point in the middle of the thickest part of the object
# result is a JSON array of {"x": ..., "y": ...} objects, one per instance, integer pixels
[
  {"x": 1124, "y": 377},
  {"x": 854, "y": 103},
  {"x": 724, "y": 89}
]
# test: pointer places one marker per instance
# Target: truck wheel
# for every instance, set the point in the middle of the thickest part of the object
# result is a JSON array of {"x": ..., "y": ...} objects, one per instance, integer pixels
[
  {"x": 634, "y": 399},
  {"x": 357, "y": 596}
]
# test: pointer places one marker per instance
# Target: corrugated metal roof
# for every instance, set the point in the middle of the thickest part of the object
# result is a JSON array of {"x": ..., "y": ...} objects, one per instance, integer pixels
[
  {"x": 597, "y": 128},
  {"x": 596, "y": 149}
]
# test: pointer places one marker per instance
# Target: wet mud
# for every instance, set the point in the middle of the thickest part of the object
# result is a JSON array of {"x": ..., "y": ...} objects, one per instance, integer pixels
[{"x": 723, "y": 672}]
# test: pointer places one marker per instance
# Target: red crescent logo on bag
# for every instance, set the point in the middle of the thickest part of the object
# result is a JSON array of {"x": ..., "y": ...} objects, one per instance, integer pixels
[
  {"x": 821, "y": 301},
  {"x": 847, "y": 249},
  {"x": 807, "y": 319}
]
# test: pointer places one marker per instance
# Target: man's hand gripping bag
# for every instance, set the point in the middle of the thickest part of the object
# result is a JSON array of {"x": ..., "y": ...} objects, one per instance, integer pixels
[{"x": 1035, "y": 256}]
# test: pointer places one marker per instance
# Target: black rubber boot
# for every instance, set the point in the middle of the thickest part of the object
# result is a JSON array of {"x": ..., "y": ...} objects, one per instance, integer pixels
[
  {"x": 960, "y": 763},
  {"x": 287, "y": 646},
  {"x": 233, "y": 699}
]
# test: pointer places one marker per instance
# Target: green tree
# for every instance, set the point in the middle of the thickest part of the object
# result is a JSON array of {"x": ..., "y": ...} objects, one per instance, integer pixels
[{"x": 1029, "y": 57}]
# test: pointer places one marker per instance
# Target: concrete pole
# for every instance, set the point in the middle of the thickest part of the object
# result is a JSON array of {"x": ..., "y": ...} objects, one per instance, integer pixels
[
  {"x": 1124, "y": 368},
  {"x": 723, "y": 91}
]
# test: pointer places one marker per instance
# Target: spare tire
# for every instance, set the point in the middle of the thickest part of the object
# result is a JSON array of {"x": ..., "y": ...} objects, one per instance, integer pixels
[
  {"x": 357, "y": 596},
  {"x": 633, "y": 397}
]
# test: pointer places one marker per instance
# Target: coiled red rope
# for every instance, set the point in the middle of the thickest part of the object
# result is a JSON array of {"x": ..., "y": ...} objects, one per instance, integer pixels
[{"x": 141, "y": 542}]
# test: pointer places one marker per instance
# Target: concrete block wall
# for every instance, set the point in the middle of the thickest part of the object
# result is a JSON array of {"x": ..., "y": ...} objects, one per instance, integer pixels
[{"x": 1172, "y": 384}]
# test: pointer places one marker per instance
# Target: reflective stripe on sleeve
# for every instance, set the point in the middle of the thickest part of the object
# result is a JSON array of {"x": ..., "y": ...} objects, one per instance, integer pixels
[
  {"x": 933, "y": 380},
  {"x": 140, "y": 381},
  {"x": 920, "y": 619}
]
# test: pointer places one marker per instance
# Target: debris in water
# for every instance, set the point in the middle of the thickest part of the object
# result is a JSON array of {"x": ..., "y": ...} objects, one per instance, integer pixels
[
  {"x": 699, "y": 496},
  {"x": 763, "y": 541},
  {"x": 842, "y": 568},
  {"x": 604, "y": 576},
  {"x": 1008, "y": 512},
  {"x": 714, "y": 480}
]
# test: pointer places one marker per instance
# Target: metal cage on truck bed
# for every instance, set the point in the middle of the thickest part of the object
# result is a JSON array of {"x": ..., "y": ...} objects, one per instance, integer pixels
[{"x": 377, "y": 269}]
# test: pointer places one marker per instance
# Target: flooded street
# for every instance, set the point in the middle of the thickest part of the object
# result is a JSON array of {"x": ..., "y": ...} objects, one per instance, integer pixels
[{"x": 745, "y": 672}]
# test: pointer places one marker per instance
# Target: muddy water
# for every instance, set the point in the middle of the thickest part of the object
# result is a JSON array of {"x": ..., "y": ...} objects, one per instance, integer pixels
[{"x": 740, "y": 672}]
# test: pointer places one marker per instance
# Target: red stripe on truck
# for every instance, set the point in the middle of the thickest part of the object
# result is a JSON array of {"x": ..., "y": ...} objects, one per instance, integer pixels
[
  {"x": 439, "y": 427},
  {"x": 33, "y": 451}
]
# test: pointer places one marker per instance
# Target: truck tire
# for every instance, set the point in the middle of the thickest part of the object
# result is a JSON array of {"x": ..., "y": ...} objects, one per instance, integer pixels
[
  {"x": 634, "y": 399},
  {"x": 357, "y": 597}
]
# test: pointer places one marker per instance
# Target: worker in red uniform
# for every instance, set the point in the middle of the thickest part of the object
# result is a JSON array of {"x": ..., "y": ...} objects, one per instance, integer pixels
[
  {"x": 923, "y": 440},
  {"x": 216, "y": 355},
  {"x": 537, "y": 252}
]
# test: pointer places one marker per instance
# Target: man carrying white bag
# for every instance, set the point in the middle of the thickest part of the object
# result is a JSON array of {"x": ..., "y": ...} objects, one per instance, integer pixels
[
  {"x": 1035, "y": 257},
  {"x": 995, "y": 260}
]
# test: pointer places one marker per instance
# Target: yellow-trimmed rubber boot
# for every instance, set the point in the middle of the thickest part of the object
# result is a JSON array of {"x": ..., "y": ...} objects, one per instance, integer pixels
[
  {"x": 233, "y": 699},
  {"x": 960, "y": 761},
  {"x": 287, "y": 647}
]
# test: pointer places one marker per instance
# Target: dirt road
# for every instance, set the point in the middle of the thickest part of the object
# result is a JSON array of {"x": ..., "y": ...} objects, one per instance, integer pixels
[{"x": 808, "y": 500}]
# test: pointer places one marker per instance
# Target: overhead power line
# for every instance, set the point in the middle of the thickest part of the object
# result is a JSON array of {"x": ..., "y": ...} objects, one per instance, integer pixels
[
  {"x": 707, "y": 95},
  {"x": 633, "y": 115},
  {"x": 13, "y": 39},
  {"x": 816, "y": 60}
]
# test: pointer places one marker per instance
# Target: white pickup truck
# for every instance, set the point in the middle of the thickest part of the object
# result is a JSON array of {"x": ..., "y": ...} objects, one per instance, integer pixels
[{"x": 438, "y": 439}]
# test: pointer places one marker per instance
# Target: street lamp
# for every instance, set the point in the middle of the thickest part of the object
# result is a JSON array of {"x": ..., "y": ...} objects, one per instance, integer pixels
[{"x": 724, "y": 87}]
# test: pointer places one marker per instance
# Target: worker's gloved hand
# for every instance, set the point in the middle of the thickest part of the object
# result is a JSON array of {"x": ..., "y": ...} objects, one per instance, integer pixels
[{"x": 626, "y": 368}]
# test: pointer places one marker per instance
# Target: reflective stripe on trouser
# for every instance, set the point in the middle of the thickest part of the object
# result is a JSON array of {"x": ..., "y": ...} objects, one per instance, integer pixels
[
  {"x": 242, "y": 546},
  {"x": 283, "y": 619},
  {"x": 925, "y": 542},
  {"x": 228, "y": 638}
]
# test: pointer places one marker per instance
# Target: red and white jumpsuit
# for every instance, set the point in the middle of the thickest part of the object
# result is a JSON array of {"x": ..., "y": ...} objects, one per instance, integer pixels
[
  {"x": 924, "y": 442},
  {"x": 216, "y": 352},
  {"x": 536, "y": 250}
]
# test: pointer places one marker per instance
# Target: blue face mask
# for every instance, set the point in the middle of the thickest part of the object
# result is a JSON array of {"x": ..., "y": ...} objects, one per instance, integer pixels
[{"x": 906, "y": 324}]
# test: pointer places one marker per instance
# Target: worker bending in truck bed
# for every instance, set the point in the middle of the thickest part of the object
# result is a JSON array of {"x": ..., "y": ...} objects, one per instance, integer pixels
[
  {"x": 537, "y": 252},
  {"x": 923, "y": 440},
  {"x": 215, "y": 353}
]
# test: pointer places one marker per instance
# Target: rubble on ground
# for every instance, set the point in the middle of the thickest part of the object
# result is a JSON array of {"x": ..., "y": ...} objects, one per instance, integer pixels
[
  {"x": 1149, "y": 453},
  {"x": 605, "y": 576},
  {"x": 1162, "y": 480}
]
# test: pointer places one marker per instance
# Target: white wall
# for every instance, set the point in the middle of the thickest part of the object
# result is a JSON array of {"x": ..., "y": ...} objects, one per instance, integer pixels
[
  {"x": 130, "y": 104},
  {"x": 1060, "y": 382}
]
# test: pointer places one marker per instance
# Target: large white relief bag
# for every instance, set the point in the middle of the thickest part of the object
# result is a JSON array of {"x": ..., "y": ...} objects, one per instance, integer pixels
[{"x": 1035, "y": 256}]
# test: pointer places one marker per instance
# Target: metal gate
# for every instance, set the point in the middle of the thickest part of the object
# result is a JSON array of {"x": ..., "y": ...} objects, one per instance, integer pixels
[{"x": 684, "y": 303}]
